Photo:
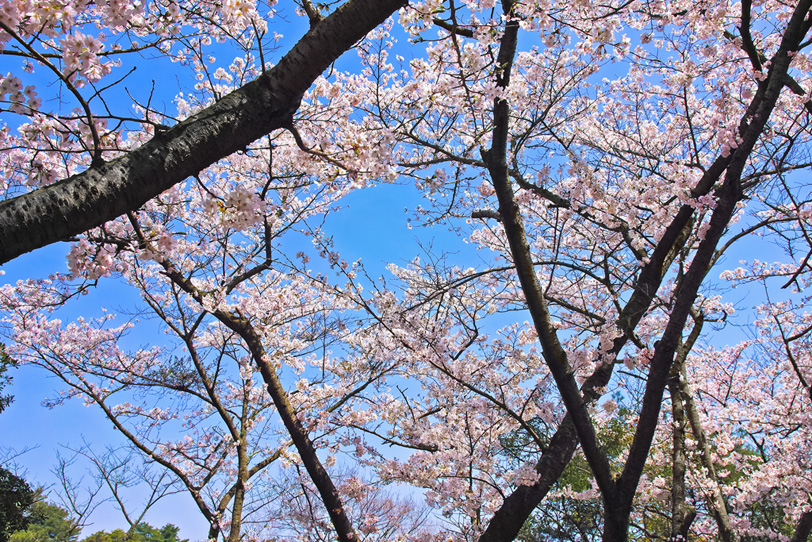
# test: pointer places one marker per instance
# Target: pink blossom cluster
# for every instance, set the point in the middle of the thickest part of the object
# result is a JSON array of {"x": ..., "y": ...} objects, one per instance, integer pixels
[
  {"x": 80, "y": 55},
  {"x": 23, "y": 101},
  {"x": 433, "y": 376}
]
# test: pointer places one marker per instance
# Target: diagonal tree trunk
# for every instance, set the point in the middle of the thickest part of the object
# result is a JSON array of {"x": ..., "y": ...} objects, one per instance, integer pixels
[
  {"x": 803, "y": 528},
  {"x": 106, "y": 191}
]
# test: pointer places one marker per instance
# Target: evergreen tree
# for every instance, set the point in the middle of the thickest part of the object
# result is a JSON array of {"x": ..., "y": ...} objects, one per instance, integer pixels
[
  {"x": 141, "y": 532},
  {"x": 5, "y": 363},
  {"x": 16, "y": 496},
  {"x": 47, "y": 523}
]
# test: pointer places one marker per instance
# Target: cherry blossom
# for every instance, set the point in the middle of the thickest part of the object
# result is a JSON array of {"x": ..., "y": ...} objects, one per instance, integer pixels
[{"x": 596, "y": 165}]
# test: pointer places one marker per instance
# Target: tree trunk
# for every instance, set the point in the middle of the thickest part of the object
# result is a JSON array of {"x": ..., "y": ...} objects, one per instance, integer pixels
[
  {"x": 615, "y": 522},
  {"x": 235, "y": 532},
  {"x": 517, "y": 507},
  {"x": 678, "y": 508},
  {"x": 803, "y": 528},
  {"x": 106, "y": 191}
]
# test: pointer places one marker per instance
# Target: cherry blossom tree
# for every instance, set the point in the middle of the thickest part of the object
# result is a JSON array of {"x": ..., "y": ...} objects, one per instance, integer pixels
[
  {"x": 604, "y": 159},
  {"x": 255, "y": 309},
  {"x": 646, "y": 127},
  {"x": 64, "y": 43}
]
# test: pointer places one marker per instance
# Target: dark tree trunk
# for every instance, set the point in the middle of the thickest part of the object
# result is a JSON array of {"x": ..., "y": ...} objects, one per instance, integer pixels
[
  {"x": 106, "y": 191},
  {"x": 803, "y": 528}
]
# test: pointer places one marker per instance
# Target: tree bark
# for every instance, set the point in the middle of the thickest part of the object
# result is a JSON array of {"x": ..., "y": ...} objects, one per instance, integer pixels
[
  {"x": 681, "y": 514},
  {"x": 803, "y": 528},
  {"x": 104, "y": 192},
  {"x": 517, "y": 507},
  {"x": 678, "y": 508}
]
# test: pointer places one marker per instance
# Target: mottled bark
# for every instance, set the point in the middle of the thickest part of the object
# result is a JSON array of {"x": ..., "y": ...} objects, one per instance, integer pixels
[
  {"x": 104, "y": 192},
  {"x": 681, "y": 514},
  {"x": 517, "y": 507},
  {"x": 235, "y": 533}
]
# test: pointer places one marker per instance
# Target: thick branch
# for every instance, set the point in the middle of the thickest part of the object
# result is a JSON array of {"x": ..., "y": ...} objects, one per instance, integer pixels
[
  {"x": 104, "y": 192},
  {"x": 517, "y": 507},
  {"x": 554, "y": 354},
  {"x": 803, "y": 528}
]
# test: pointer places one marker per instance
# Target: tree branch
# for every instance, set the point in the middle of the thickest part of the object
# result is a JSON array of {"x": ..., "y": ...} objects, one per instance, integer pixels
[
  {"x": 106, "y": 191},
  {"x": 751, "y": 128}
]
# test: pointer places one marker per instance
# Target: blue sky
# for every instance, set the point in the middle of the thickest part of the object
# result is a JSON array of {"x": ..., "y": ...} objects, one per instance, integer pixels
[{"x": 372, "y": 225}]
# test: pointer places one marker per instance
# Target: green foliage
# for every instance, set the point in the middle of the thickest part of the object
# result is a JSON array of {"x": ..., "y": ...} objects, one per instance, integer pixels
[
  {"x": 771, "y": 518},
  {"x": 566, "y": 518},
  {"x": 26, "y": 517},
  {"x": 16, "y": 496},
  {"x": 142, "y": 532},
  {"x": 47, "y": 523},
  {"x": 5, "y": 400}
]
